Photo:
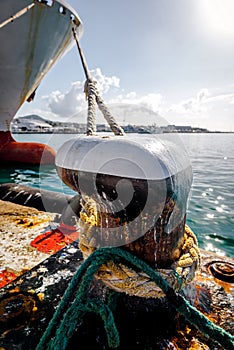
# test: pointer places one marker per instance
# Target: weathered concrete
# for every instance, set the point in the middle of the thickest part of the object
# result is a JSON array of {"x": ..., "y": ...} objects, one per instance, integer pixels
[
  {"x": 19, "y": 225},
  {"x": 28, "y": 303}
]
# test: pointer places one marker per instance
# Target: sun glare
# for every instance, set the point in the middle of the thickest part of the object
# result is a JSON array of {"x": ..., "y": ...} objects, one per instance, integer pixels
[{"x": 218, "y": 17}]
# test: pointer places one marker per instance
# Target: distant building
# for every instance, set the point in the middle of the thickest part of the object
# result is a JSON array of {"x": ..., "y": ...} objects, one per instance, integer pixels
[
  {"x": 37, "y": 124},
  {"x": 183, "y": 129},
  {"x": 32, "y": 123}
]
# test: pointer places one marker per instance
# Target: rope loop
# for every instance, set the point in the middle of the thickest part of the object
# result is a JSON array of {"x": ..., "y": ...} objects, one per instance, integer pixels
[
  {"x": 75, "y": 316},
  {"x": 122, "y": 278},
  {"x": 93, "y": 97}
]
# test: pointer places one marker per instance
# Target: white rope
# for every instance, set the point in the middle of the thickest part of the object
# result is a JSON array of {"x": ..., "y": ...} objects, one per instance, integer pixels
[
  {"x": 115, "y": 127},
  {"x": 94, "y": 98},
  {"x": 90, "y": 91}
]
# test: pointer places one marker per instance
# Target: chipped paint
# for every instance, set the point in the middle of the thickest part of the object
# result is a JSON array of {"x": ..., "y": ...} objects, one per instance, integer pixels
[
  {"x": 48, "y": 281},
  {"x": 28, "y": 302},
  {"x": 18, "y": 227},
  {"x": 53, "y": 280},
  {"x": 27, "y": 237}
]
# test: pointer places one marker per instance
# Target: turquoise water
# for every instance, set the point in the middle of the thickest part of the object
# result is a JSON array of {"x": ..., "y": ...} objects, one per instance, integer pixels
[{"x": 211, "y": 206}]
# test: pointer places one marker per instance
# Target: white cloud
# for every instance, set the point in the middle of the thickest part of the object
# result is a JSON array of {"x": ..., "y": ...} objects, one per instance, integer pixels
[
  {"x": 126, "y": 107},
  {"x": 212, "y": 109},
  {"x": 151, "y": 101},
  {"x": 206, "y": 110},
  {"x": 66, "y": 104},
  {"x": 202, "y": 103},
  {"x": 202, "y": 95},
  {"x": 226, "y": 98},
  {"x": 104, "y": 83},
  {"x": 192, "y": 106}
]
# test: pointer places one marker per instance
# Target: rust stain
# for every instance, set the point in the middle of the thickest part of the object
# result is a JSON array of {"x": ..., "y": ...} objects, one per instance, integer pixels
[
  {"x": 189, "y": 339},
  {"x": 17, "y": 306},
  {"x": 228, "y": 287},
  {"x": 41, "y": 296},
  {"x": 15, "y": 290},
  {"x": 30, "y": 222}
]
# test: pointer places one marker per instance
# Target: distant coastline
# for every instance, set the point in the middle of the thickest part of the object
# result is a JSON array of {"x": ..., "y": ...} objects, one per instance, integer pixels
[
  {"x": 135, "y": 132},
  {"x": 34, "y": 124}
]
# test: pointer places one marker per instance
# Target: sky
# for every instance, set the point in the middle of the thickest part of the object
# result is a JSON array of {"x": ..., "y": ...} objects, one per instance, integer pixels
[{"x": 172, "y": 57}]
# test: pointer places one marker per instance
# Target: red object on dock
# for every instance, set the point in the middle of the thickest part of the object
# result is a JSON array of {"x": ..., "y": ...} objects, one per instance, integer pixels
[
  {"x": 6, "y": 277},
  {"x": 52, "y": 241}
]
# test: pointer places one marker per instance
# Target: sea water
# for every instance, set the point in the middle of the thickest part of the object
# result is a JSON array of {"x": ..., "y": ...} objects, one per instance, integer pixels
[{"x": 210, "y": 211}]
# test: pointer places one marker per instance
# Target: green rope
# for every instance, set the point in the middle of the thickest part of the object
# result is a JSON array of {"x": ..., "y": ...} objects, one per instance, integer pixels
[
  {"x": 75, "y": 314},
  {"x": 80, "y": 284},
  {"x": 113, "y": 299},
  {"x": 68, "y": 316}
]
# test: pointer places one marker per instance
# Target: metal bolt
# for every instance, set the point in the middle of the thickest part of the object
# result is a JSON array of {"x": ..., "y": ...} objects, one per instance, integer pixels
[{"x": 224, "y": 271}]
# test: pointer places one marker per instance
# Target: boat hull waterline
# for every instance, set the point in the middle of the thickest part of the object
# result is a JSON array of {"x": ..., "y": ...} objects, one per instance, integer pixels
[{"x": 34, "y": 35}]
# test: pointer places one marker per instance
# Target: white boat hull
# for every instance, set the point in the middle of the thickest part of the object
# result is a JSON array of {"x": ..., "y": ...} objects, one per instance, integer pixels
[
  {"x": 30, "y": 46},
  {"x": 33, "y": 36}
]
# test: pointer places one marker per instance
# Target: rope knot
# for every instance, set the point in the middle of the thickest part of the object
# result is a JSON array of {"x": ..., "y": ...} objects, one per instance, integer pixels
[
  {"x": 90, "y": 87},
  {"x": 123, "y": 278},
  {"x": 93, "y": 97},
  {"x": 74, "y": 305}
]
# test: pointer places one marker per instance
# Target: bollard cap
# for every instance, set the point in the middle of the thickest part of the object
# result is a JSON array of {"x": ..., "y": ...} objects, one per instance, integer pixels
[
  {"x": 135, "y": 188},
  {"x": 148, "y": 157}
]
